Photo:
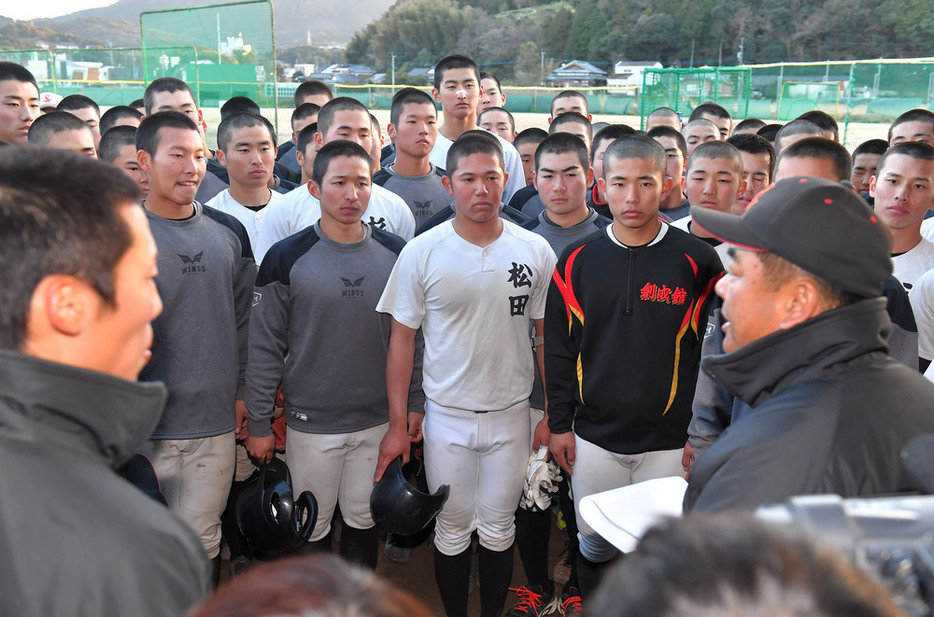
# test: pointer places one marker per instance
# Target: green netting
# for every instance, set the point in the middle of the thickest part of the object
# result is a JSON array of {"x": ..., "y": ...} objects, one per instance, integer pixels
[
  {"x": 222, "y": 51},
  {"x": 684, "y": 89}
]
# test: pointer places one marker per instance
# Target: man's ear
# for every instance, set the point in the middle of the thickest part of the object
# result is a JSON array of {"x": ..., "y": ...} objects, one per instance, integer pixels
[
  {"x": 314, "y": 189},
  {"x": 801, "y": 302},
  {"x": 391, "y": 131},
  {"x": 144, "y": 160},
  {"x": 667, "y": 184},
  {"x": 447, "y": 185},
  {"x": 221, "y": 158},
  {"x": 65, "y": 303},
  {"x": 872, "y": 187},
  {"x": 436, "y": 95}
]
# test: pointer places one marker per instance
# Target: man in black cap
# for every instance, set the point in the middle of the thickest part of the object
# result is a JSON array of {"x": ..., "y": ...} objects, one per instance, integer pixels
[{"x": 805, "y": 348}]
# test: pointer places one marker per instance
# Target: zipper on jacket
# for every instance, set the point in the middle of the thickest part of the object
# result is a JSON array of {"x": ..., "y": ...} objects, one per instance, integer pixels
[{"x": 629, "y": 291}]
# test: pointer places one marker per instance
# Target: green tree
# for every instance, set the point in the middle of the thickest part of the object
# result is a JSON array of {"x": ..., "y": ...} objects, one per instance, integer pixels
[{"x": 528, "y": 65}]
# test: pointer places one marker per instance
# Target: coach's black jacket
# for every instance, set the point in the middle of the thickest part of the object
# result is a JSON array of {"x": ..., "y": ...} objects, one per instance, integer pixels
[
  {"x": 831, "y": 412},
  {"x": 76, "y": 538}
]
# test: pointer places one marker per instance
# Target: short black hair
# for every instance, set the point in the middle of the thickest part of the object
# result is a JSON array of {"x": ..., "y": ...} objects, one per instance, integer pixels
[
  {"x": 715, "y": 150},
  {"x": 374, "y": 122},
  {"x": 303, "y": 111},
  {"x": 408, "y": 96},
  {"x": 912, "y": 115},
  {"x": 137, "y": 103},
  {"x": 664, "y": 112},
  {"x": 769, "y": 131},
  {"x": 333, "y": 150},
  {"x": 113, "y": 115},
  {"x": 147, "y": 135},
  {"x": 753, "y": 124},
  {"x": 306, "y": 136},
  {"x": 454, "y": 61},
  {"x": 74, "y": 102},
  {"x": 667, "y": 131},
  {"x": 17, "y": 72},
  {"x": 71, "y": 226},
  {"x": 571, "y": 117},
  {"x": 473, "y": 142},
  {"x": 754, "y": 144},
  {"x": 509, "y": 116},
  {"x": 710, "y": 108},
  {"x": 821, "y": 148},
  {"x": 115, "y": 139},
  {"x": 822, "y": 119},
  {"x": 311, "y": 87},
  {"x": 489, "y": 75},
  {"x": 796, "y": 127},
  {"x": 341, "y": 103},
  {"x": 566, "y": 94},
  {"x": 239, "y": 104},
  {"x": 911, "y": 149},
  {"x": 164, "y": 84},
  {"x": 238, "y": 121},
  {"x": 637, "y": 146},
  {"x": 533, "y": 135},
  {"x": 871, "y": 146},
  {"x": 54, "y": 122},
  {"x": 559, "y": 143},
  {"x": 610, "y": 133}
]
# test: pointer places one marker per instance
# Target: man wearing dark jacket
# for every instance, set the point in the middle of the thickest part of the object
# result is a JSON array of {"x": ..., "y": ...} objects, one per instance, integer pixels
[
  {"x": 805, "y": 348},
  {"x": 75, "y": 313}
]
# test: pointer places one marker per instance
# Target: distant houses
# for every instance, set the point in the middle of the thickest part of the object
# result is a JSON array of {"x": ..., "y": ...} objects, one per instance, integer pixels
[{"x": 576, "y": 74}]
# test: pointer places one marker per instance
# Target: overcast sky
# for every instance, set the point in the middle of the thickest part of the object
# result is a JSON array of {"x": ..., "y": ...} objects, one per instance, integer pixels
[{"x": 49, "y": 8}]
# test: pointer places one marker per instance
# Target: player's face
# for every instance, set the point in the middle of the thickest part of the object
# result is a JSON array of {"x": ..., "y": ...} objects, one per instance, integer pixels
[
  {"x": 575, "y": 128},
  {"x": 90, "y": 117},
  {"x": 913, "y": 131},
  {"x": 903, "y": 191},
  {"x": 634, "y": 190},
  {"x": 180, "y": 100},
  {"x": 713, "y": 183},
  {"x": 124, "y": 331},
  {"x": 791, "y": 166},
  {"x": 569, "y": 103},
  {"x": 127, "y": 161},
  {"x": 477, "y": 187},
  {"x": 491, "y": 95},
  {"x": 19, "y": 107},
  {"x": 527, "y": 154},
  {"x": 176, "y": 168},
  {"x": 673, "y": 157},
  {"x": 698, "y": 134},
  {"x": 723, "y": 124},
  {"x": 80, "y": 141},
  {"x": 562, "y": 182},
  {"x": 672, "y": 121},
  {"x": 298, "y": 125},
  {"x": 864, "y": 168},
  {"x": 597, "y": 162},
  {"x": 459, "y": 93},
  {"x": 318, "y": 99},
  {"x": 350, "y": 124},
  {"x": 344, "y": 191},
  {"x": 750, "y": 304},
  {"x": 417, "y": 130},
  {"x": 756, "y": 175},
  {"x": 250, "y": 157},
  {"x": 497, "y": 122}
]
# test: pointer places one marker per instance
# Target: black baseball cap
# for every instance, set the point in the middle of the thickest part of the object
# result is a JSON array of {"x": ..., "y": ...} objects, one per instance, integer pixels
[{"x": 820, "y": 226}]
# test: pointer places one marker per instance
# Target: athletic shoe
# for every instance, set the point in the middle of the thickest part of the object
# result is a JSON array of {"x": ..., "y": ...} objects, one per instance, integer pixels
[
  {"x": 571, "y": 602},
  {"x": 534, "y": 601}
]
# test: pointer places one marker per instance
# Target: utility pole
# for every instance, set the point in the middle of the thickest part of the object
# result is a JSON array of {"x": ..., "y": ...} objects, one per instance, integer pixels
[
  {"x": 739, "y": 54},
  {"x": 542, "y": 81}
]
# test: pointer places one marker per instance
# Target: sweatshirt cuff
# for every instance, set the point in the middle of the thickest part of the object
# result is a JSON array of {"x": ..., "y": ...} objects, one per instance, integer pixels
[{"x": 260, "y": 428}]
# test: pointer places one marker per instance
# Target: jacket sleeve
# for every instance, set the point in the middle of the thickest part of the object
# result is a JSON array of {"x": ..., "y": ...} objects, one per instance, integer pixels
[
  {"x": 561, "y": 351},
  {"x": 712, "y": 402},
  {"x": 243, "y": 293},
  {"x": 268, "y": 345}
]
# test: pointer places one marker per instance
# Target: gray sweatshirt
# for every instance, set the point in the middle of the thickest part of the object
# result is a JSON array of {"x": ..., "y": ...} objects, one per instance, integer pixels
[
  {"x": 315, "y": 327},
  {"x": 206, "y": 274}
]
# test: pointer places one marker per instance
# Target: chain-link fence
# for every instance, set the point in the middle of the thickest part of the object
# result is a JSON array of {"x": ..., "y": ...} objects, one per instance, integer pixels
[
  {"x": 860, "y": 91},
  {"x": 230, "y": 50}
]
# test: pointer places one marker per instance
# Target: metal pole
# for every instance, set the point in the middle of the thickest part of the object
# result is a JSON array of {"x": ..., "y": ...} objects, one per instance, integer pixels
[{"x": 393, "y": 72}]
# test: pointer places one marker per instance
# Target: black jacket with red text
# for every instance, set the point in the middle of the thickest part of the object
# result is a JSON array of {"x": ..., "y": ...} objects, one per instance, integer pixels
[{"x": 623, "y": 332}]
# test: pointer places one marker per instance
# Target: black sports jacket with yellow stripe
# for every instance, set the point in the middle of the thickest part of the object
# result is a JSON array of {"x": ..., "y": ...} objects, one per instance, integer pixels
[{"x": 623, "y": 332}]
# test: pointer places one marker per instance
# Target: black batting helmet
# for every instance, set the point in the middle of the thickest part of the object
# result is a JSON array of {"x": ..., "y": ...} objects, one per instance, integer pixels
[
  {"x": 271, "y": 521},
  {"x": 398, "y": 507}
]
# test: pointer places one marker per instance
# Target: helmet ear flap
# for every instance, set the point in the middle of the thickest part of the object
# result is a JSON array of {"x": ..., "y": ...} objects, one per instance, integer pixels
[
  {"x": 398, "y": 507},
  {"x": 270, "y": 520}
]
